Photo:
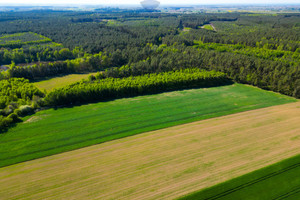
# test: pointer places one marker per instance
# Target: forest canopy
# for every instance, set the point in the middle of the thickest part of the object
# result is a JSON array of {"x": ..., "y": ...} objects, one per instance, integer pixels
[{"x": 258, "y": 49}]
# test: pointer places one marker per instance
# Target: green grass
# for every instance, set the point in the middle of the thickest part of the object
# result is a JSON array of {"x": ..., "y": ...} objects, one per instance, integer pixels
[
  {"x": 59, "y": 82},
  {"x": 208, "y": 27},
  {"x": 54, "y": 131},
  {"x": 278, "y": 181}
]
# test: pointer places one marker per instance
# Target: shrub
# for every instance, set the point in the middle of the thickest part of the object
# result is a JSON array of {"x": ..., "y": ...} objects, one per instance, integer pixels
[
  {"x": 297, "y": 92},
  {"x": 14, "y": 117},
  {"x": 8, "y": 110},
  {"x": 25, "y": 110},
  {"x": 91, "y": 78},
  {"x": 18, "y": 112},
  {"x": 5, "y": 122},
  {"x": 36, "y": 102}
]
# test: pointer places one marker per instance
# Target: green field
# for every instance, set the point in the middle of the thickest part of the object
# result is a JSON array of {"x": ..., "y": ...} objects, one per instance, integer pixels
[
  {"x": 278, "y": 181},
  {"x": 208, "y": 27},
  {"x": 62, "y": 81},
  {"x": 54, "y": 131}
]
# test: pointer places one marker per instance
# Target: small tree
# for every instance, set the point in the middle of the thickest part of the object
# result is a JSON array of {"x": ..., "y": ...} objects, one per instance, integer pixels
[{"x": 297, "y": 92}]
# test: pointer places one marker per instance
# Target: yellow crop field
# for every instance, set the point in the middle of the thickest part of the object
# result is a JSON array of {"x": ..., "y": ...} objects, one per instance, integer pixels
[{"x": 162, "y": 164}]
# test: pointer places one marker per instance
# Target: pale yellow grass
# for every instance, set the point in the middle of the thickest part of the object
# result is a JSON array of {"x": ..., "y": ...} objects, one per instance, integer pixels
[
  {"x": 62, "y": 81},
  {"x": 162, "y": 164}
]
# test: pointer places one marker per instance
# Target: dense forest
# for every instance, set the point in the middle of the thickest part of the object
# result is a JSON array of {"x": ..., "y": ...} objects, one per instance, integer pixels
[{"x": 258, "y": 49}]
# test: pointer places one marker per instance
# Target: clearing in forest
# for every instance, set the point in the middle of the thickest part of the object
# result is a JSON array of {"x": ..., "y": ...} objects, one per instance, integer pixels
[
  {"x": 62, "y": 81},
  {"x": 209, "y": 27},
  {"x": 162, "y": 164}
]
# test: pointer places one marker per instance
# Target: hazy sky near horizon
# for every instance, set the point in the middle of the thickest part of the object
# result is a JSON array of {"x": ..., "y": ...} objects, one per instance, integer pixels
[{"x": 116, "y": 2}]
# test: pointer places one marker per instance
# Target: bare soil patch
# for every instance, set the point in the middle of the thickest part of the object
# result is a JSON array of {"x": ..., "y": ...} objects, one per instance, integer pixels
[{"x": 33, "y": 119}]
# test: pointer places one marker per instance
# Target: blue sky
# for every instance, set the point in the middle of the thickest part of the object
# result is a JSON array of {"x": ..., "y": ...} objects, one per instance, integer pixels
[{"x": 115, "y": 2}]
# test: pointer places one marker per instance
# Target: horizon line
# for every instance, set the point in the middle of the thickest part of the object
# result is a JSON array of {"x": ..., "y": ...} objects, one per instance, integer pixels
[{"x": 123, "y": 4}]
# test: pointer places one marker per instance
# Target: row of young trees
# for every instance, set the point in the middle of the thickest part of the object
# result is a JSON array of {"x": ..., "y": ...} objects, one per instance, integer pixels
[
  {"x": 98, "y": 89},
  {"x": 38, "y": 53},
  {"x": 260, "y": 52},
  {"x": 85, "y": 63},
  {"x": 17, "y": 40}
]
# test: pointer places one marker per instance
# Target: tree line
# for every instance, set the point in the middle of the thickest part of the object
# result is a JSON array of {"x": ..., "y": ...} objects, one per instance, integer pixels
[
  {"x": 39, "y": 53},
  {"x": 19, "y": 98},
  {"x": 86, "y": 63},
  {"x": 99, "y": 89}
]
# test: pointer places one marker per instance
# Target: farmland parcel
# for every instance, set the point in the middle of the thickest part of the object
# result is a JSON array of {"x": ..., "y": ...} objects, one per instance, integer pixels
[
  {"x": 163, "y": 164},
  {"x": 55, "y": 131}
]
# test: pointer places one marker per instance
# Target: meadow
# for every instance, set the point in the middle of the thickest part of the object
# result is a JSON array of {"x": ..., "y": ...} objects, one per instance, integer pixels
[
  {"x": 168, "y": 163},
  {"x": 54, "y": 131},
  {"x": 58, "y": 82},
  {"x": 208, "y": 27}
]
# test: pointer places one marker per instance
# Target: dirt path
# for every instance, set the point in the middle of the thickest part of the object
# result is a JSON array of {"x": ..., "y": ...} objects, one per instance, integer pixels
[{"x": 161, "y": 164}]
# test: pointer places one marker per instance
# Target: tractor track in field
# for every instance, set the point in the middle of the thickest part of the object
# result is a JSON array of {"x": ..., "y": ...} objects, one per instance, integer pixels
[{"x": 288, "y": 194}]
